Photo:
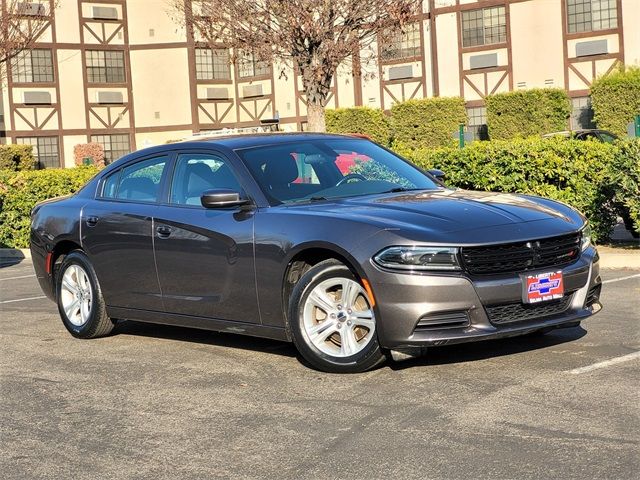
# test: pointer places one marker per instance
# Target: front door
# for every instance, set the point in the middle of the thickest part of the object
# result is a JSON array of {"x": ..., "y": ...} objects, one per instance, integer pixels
[
  {"x": 117, "y": 235},
  {"x": 205, "y": 256}
]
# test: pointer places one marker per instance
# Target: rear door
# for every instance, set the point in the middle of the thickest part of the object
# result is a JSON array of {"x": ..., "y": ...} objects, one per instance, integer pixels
[
  {"x": 205, "y": 256},
  {"x": 117, "y": 234}
]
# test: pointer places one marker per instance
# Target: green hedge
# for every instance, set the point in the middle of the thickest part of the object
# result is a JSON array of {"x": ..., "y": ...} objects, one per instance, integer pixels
[
  {"x": 575, "y": 172},
  {"x": 615, "y": 99},
  {"x": 20, "y": 191},
  {"x": 625, "y": 183},
  {"x": 425, "y": 123},
  {"x": 524, "y": 113},
  {"x": 17, "y": 157},
  {"x": 368, "y": 121}
]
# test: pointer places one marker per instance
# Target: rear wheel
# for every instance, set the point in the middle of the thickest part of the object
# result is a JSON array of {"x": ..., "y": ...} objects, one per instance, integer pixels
[
  {"x": 79, "y": 296},
  {"x": 332, "y": 321}
]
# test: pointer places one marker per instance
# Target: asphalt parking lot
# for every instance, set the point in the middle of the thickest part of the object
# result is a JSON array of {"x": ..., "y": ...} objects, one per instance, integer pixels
[{"x": 164, "y": 402}]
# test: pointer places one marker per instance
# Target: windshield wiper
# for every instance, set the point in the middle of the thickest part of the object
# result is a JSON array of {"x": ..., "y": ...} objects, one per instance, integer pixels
[{"x": 401, "y": 189}]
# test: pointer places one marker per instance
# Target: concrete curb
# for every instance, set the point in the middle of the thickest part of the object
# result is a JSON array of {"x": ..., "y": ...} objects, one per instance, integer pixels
[
  {"x": 619, "y": 257},
  {"x": 610, "y": 257}
]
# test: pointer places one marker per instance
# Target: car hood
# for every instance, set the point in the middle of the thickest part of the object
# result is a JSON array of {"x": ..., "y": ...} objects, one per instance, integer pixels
[{"x": 441, "y": 213}]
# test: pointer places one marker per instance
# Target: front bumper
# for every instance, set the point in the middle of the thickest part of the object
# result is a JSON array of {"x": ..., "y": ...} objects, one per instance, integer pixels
[{"x": 404, "y": 301}]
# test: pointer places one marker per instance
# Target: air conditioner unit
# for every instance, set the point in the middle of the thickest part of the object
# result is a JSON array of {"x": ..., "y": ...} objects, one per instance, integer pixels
[
  {"x": 252, "y": 91},
  {"x": 396, "y": 73},
  {"x": 217, "y": 93},
  {"x": 104, "y": 13},
  {"x": 31, "y": 8},
  {"x": 112, "y": 98},
  {"x": 593, "y": 47},
  {"x": 36, "y": 98},
  {"x": 487, "y": 60}
]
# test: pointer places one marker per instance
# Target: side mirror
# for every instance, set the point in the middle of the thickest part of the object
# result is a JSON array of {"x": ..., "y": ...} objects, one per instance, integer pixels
[
  {"x": 439, "y": 174},
  {"x": 221, "y": 198}
]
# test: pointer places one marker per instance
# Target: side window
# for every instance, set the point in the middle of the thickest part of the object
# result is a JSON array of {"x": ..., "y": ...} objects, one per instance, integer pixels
[
  {"x": 195, "y": 173},
  {"x": 607, "y": 137},
  {"x": 110, "y": 185},
  {"x": 141, "y": 181}
]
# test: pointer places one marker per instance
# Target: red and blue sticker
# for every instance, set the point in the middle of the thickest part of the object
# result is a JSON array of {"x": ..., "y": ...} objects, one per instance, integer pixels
[{"x": 543, "y": 287}]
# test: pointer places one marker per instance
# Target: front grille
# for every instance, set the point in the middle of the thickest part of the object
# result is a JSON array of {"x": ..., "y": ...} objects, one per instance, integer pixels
[
  {"x": 519, "y": 312},
  {"x": 522, "y": 256}
]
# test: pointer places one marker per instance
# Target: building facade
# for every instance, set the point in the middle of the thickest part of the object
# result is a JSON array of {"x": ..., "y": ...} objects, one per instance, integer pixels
[{"x": 126, "y": 74}]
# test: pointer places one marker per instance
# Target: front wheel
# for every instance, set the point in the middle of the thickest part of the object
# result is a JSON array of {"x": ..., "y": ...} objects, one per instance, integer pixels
[
  {"x": 79, "y": 296},
  {"x": 332, "y": 320}
]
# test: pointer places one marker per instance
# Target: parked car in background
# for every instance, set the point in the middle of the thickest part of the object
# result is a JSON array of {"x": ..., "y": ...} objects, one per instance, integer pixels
[
  {"x": 272, "y": 236},
  {"x": 587, "y": 134}
]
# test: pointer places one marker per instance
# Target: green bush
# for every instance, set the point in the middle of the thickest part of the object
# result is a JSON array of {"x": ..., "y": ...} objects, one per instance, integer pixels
[
  {"x": 571, "y": 171},
  {"x": 524, "y": 113},
  {"x": 20, "y": 191},
  {"x": 425, "y": 123},
  {"x": 17, "y": 157},
  {"x": 368, "y": 121},
  {"x": 615, "y": 99},
  {"x": 625, "y": 183}
]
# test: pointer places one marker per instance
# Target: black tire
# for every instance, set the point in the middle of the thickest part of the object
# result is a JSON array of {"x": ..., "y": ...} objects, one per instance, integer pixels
[
  {"x": 367, "y": 358},
  {"x": 98, "y": 324}
]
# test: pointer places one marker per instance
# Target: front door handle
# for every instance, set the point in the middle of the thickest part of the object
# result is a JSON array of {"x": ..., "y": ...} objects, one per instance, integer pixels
[
  {"x": 91, "y": 221},
  {"x": 164, "y": 231}
]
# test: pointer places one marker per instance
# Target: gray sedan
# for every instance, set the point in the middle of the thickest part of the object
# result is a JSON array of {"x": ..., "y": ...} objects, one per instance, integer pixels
[{"x": 331, "y": 242}]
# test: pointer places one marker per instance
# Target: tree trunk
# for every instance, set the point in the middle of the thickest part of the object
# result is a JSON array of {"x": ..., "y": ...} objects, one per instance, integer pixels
[{"x": 315, "y": 118}]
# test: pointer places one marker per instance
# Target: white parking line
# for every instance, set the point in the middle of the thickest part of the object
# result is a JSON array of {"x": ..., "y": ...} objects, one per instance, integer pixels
[
  {"x": 23, "y": 299},
  {"x": 606, "y": 363},
  {"x": 16, "y": 278},
  {"x": 621, "y": 278}
]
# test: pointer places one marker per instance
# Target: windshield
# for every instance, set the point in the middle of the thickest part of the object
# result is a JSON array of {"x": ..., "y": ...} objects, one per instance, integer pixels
[{"x": 312, "y": 170}]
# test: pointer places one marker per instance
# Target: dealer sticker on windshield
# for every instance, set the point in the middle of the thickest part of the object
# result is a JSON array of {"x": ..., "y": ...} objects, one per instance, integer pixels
[{"x": 543, "y": 287}]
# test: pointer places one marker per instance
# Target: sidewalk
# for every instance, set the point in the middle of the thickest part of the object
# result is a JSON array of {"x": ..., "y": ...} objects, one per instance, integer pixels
[{"x": 627, "y": 256}]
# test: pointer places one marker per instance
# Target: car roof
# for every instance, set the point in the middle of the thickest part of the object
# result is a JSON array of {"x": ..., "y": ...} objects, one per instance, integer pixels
[{"x": 235, "y": 142}]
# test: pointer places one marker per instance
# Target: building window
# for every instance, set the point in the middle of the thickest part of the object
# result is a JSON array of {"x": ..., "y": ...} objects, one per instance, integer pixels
[
  {"x": 485, "y": 26},
  {"x": 32, "y": 66},
  {"x": 45, "y": 150},
  {"x": 105, "y": 66},
  {"x": 115, "y": 146},
  {"x": 589, "y": 15},
  {"x": 478, "y": 122},
  {"x": 250, "y": 66},
  {"x": 402, "y": 45},
  {"x": 212, "y": 64},
  {"x": 582, "y": 113}
]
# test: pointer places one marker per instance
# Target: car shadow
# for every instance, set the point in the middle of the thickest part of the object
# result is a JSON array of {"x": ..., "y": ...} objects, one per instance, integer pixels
[
  {"x": 444, "y": 355},
  {"x": 207, "y": 337},
  {"x": 10, "y": 257},
  {"x": 475, "y": 351}
]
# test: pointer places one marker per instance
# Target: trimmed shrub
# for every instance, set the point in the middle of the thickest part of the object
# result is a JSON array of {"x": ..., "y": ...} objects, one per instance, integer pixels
[
  {"x": 17, "y": 157},
  {"x": 93, "y": 151},
  {"x": 427, "y": 123},
  {"x": 20, "y": 191},
  {"x": 571, "y": 171},
  {"x": 524, "y": 113},
  {"x": 371, "y": 122},
  {"x": 615, "y": 99},
  {"x": 625, "y": 183}
]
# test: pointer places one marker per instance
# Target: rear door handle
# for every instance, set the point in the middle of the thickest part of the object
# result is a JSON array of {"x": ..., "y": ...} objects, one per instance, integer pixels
[
  {"x": 164, "y": 231},
  {"x": 91, "y": 221}
]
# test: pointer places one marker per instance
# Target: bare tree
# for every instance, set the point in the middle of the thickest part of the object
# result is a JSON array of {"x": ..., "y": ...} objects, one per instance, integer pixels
[
  {"x": 21, "y": 24},
  {"x": 312, "y": 36}
]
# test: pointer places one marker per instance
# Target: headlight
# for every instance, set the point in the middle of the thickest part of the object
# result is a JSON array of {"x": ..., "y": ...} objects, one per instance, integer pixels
[
  {"x": 586, "y": 237},
  {"x": 418, "y": 258}
]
